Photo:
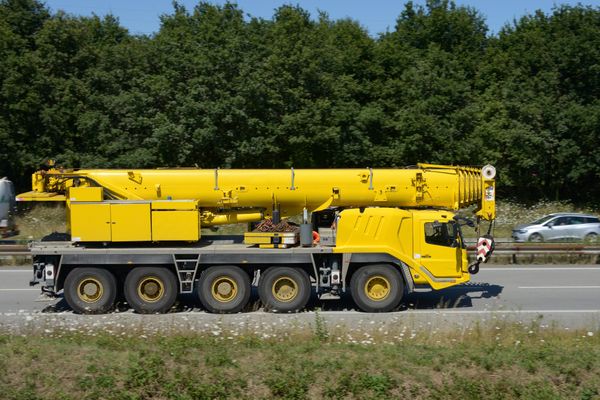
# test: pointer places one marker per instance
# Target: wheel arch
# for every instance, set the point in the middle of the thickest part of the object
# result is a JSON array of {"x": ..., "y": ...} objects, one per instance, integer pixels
[{"x": 362, "y": 259}]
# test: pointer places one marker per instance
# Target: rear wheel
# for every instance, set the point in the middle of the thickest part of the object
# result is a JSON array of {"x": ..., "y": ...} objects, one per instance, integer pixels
[
  {"x": 536, "y": 238},
  {"x": 224, "y": 289},
  {"x": 151, "y": 290},
  {"x": 377, "y": 288},
  {"x": 284, "y": 289},
  {"x": 90, "y": 290},
  {"x": 591, "y": 238}
]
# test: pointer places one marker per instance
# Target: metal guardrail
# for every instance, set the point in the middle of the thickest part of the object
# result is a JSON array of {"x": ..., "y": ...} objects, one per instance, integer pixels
[
  {"x": 548, "y": 248},
  {"x": 14, "y": 250},
  {"x": 501, "y": 249}
]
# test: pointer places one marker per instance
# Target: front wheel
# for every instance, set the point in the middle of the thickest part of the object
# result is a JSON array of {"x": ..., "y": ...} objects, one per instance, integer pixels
[
  {"x": 377, "y": 288},
  {"x": 284, "y": 289},
  {"x": 151, "y": 290},
  {"x": 90, "y": 290},
  {"x": 536, "y": 238}
]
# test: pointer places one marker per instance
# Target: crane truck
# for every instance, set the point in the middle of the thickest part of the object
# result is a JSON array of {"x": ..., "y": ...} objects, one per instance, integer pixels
[{"x": 375, "y": 233}]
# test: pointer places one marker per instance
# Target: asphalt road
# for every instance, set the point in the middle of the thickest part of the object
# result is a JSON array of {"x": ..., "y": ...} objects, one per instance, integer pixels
[{"x": 561, "y": 295}]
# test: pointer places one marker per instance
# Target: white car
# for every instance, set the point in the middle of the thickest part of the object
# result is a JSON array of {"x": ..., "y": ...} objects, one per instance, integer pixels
[{"x": 560, "y": 227}]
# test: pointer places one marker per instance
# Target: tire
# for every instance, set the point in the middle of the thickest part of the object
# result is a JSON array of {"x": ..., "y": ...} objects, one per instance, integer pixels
[
  {"x": 535, "y": 238},
  {"x": 224, "y": 289},
  {"x": 90, "y": 290},
  {"x": 591, "y": 238},
  {"x": 151, "y": 290},
  {"x": 377, "y": 288},
  {"x": 284, "y": 289}
]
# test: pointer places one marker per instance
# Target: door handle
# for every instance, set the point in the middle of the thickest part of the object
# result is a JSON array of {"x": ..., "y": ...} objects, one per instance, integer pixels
[{"x": 425, "y": 256}]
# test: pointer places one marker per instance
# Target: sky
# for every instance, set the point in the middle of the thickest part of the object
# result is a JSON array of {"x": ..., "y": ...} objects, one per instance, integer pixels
[{"x": 377, "y": 16}]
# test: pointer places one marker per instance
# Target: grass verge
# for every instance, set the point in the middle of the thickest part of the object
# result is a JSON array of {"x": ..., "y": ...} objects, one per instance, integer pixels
[
  {"x": 509, "y": 361},
  {"x": 34, "y": 221}
]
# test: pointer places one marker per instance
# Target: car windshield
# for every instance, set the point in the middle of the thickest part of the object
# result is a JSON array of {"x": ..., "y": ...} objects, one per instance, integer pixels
[{"x": 542, "y": 220}]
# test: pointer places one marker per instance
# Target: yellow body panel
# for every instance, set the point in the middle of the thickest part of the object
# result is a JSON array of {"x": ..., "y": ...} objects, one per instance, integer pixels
[
  {"x": 391, "y": 231},
  {"x": 175, "y": 225},
  {"x": 175, "y": 205},
  {"x": 441, "y": 261},
  {"x": 130, "y": 222},
  {"x": 90, "y": 222},
  {"x": 40, "y": 196},
  {"x": 86, "y": 194}
]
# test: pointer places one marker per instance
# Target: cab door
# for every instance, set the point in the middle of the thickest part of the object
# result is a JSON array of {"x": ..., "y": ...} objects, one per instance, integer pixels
[{"x": 437, "y": 248}]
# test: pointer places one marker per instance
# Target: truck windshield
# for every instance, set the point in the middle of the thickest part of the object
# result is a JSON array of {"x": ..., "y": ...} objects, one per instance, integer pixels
[{"x": 442, "y": 233}]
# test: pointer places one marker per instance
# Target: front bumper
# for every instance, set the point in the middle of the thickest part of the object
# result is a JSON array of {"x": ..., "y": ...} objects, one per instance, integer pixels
[{"x": 519, "y": 236}]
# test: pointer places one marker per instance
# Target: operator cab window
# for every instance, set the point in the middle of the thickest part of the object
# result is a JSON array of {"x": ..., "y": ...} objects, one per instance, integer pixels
[{"x": 440, "y": 234}]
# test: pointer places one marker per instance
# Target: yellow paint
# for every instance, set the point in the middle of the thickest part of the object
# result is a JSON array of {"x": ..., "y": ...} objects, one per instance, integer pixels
[
  {"x": 106, "y": 221},
  {"x": 130, "y": 222},
  {"x": 391, "y": 231},
  {"x": 230, "y": 217},
  {"x": 216, "y": 191},
  {"x": 86, "y": 194},
  {"x": 90, "y": 222},
  {"x": 175, "y": 225},
  {"x": 442, "y": 261},
  {"x": 172, "y": 205}
]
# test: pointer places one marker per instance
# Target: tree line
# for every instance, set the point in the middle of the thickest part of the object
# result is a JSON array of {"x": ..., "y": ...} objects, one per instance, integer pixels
[{"x": 213, "y": 87}]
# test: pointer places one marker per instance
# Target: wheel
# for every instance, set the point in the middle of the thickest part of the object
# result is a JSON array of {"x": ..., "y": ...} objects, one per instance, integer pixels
[
  {"x": 90, "y": 290},
  {"x": 284, "y": 289},
  {"x": 591, "y": 238},
  {"x": 536, "y": 238},
  {"x": 224, "y": 289},
  {"x": 151, "y": 290},
  {"x": 377, "y": 288}
]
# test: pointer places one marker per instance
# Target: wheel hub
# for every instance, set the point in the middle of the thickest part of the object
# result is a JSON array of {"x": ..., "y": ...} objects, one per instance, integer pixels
[
  {"x": 90, "y": 290},
  {"x": 285, "y": 289},
  {"x": 377, "y": 288},
  {"x": 224, "y": 289},
  {"x": 151, "y": 289}
]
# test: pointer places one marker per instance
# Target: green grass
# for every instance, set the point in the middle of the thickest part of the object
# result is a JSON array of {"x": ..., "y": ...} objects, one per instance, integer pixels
[{"x": 510, "y": 361}]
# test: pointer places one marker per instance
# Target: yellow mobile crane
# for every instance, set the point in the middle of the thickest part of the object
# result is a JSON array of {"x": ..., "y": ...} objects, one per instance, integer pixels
[{"x": 378, "y": 233}]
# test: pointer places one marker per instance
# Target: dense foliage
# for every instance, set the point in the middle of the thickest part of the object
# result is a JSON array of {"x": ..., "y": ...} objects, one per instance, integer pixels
[{"x": 215, "y": 88}]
